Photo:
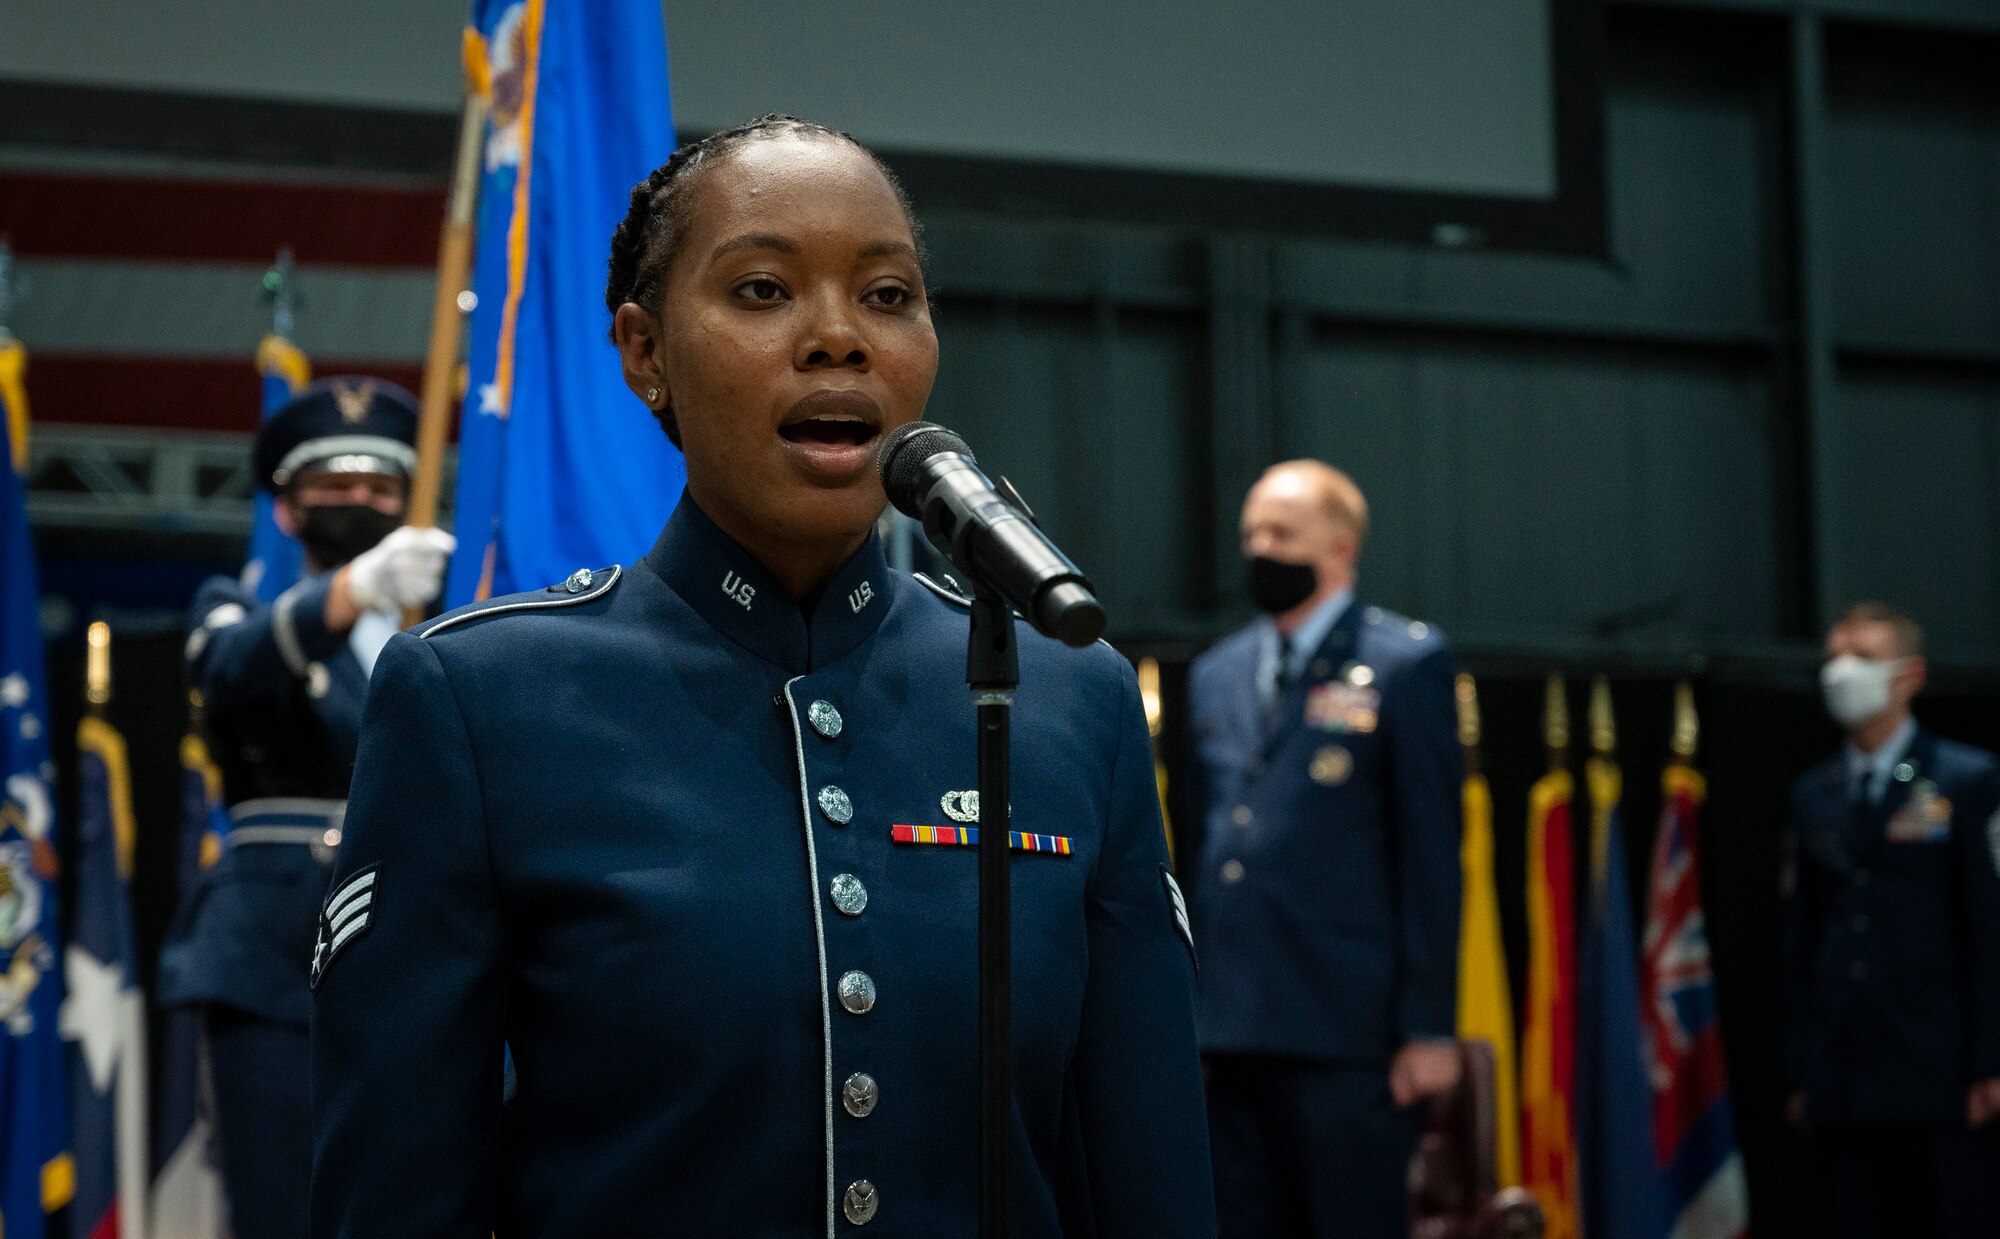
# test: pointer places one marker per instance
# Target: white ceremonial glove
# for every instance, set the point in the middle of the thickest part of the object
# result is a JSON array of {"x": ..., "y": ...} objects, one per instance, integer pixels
[{"x": 405, "y": 569}]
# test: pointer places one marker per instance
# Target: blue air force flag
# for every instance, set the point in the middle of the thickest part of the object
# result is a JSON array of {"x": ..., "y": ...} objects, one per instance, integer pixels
[
  {"x": 559, "y": 466},
  {"x": 37, "y": 1176}
]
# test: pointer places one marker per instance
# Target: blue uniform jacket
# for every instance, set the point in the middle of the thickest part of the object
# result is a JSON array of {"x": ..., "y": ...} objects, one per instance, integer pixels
[
  {"x": 281, "y": 705},
  {"x": 641, "y": 828},
  {"x": 1892, "y": 938},
  {"x": 1327, "y": 894}
]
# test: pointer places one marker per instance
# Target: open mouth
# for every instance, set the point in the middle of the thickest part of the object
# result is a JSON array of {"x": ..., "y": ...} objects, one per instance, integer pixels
[{"x": 833, "y": 431}]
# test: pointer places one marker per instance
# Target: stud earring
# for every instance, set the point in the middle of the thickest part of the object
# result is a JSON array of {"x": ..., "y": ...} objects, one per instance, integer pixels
[{"x": 652, "y": 394}]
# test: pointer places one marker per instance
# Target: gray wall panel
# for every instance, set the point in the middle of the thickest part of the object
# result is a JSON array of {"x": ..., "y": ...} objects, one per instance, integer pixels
[
  {"x": 1918, "y": 488},
  {"x": 1915, "y": 164},
  {"x": 1094, "y": 416},
  {"x": 1535, "y": 493}
]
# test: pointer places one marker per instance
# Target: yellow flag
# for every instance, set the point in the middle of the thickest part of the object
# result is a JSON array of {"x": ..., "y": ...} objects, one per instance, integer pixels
[{"x": 1485, "y": 1004}]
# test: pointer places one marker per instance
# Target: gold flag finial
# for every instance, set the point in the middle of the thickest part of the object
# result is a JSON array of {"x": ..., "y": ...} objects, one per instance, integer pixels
[
  {"x": 1149, "y": 695},
  {"x": 1555, "y": 717},
  {"x": 1468, "y": 711},
  {"x": 97, "y": 665},
  {"x": 1603, "y": 728},
  {"x": 1687, "y": 724}
]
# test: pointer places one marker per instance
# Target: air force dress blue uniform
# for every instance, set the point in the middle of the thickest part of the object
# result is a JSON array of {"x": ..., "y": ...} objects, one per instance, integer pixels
[
  {"x": 281, "y": 703},
  {"x": 691, "y": 854},
  {"x": 1326, "y": 910},
  {"x": 1893, "y": 979}
]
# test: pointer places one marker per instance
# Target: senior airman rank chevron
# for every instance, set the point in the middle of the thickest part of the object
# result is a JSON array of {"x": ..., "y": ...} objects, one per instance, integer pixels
[
  {"x": 349, "y": 911},
  {"x": 968, "y": 836}
]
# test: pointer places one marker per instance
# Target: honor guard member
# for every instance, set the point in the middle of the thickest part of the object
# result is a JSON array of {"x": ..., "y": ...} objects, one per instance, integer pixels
[
  {"x": 690, "y": 836},
  {"x": 1892, "y": 972},
  {"x": 1326, "y": 914},
  {"x": 281, "y": 689}
]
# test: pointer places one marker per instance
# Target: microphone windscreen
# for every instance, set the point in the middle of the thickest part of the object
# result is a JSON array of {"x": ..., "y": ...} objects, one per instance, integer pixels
[{"x": 901, "y": 461}]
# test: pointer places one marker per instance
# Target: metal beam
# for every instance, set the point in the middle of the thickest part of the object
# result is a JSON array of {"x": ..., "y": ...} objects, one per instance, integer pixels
[
  {"x": 1812, "y": 348},
  {"x": 1965, "y": 15},
  {"x": 1241, "y": 406},
  {"x": 167, "y": 483}
]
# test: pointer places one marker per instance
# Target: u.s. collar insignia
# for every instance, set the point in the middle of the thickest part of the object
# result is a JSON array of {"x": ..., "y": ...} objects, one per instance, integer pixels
[{"x": 962, "y": 807}]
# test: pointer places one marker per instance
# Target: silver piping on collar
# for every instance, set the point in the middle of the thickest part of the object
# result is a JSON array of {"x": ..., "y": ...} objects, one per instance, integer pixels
[{"x": 952, "y": 596}]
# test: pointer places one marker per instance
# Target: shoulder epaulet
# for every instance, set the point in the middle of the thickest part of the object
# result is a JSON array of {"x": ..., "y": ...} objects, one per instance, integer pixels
[
  {"x": 948, "y": 594},
  {"x": 1416, "y": 630},
  {"x": 583, "y": 585}
]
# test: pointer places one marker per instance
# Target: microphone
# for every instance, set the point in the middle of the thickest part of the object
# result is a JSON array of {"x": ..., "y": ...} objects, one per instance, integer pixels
[{"x": 931, "y": 477}]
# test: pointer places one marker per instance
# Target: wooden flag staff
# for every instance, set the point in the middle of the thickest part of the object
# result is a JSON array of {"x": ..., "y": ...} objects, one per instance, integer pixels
[{"x": 447, "y": 322}]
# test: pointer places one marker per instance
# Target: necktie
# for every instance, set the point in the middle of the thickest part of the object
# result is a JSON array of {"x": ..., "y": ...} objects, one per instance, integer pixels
[
  {"x": 1279, "y": 682},
  {"x": 1860, "y": 812}
]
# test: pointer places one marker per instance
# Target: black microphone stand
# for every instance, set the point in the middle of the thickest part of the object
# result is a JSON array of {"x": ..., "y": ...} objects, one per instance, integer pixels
[{"x": 993, "y": 670}]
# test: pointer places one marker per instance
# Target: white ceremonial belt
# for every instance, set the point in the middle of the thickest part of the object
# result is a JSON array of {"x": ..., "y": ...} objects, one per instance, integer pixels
[
  {"x": 288, "y": 821},
  {"x": 287, "y": 811},
  {"x": 246, "y": 835}
]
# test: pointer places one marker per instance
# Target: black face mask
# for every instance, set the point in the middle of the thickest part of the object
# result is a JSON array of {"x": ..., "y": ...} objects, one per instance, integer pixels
[
  {"x": 1276, "y": 586},
  {"x": 336, "y": 532}
]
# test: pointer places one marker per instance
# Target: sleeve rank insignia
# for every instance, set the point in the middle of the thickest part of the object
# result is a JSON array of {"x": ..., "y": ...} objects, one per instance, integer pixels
[{"x": 349, "y": 912}]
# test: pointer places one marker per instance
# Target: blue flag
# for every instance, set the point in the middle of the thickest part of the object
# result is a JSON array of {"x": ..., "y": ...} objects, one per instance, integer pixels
[
  {"x": 560, "y": 466},
  {"x": 104, "y": 1015},
  {"x": 275, "y": 558},
  {"x": 37, "y": 1176},
  {"x": 1620, "y": 1187}
]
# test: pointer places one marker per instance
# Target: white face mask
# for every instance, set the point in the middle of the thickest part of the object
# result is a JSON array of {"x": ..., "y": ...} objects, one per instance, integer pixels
[{"x": 1857, "y": 689}]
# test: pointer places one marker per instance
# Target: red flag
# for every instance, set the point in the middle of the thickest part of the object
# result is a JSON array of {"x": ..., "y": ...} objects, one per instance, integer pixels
[{"x": 1548, "y": 1038}]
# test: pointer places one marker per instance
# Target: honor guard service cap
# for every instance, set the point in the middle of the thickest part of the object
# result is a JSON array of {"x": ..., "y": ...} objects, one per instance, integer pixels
[{"x": 348, "y": 424}]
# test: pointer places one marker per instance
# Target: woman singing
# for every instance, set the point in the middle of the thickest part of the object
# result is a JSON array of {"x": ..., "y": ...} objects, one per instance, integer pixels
[{"x": 656, "y": 828}]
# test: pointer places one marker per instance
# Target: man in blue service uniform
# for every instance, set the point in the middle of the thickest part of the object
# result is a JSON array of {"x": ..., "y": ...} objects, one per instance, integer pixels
[
  {"x": 1892, "y": 972},
  {"x": 282, "y": 688},
  {"x": 1327, "y": 894}
]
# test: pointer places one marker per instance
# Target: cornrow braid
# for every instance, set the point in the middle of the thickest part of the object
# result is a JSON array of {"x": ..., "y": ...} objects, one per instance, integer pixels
[{"x": 654, "y": 229}]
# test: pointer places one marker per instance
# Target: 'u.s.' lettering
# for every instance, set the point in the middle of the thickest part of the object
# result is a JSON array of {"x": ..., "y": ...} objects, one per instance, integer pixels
[{"x": 740, "y": 591}]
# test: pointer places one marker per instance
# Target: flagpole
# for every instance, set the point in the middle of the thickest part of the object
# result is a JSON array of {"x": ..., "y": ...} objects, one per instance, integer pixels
[
  {"x": 447, "y": 321},
  {"x": 130, "y": 1125}
]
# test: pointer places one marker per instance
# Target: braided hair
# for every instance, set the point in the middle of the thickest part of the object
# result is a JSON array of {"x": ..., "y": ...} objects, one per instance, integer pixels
[{"x": 656, "y": 222}]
